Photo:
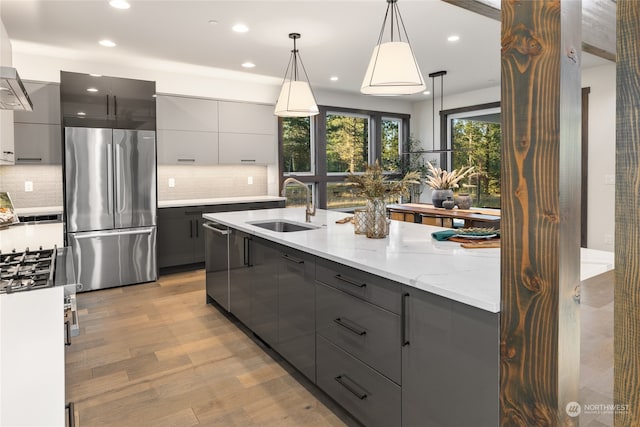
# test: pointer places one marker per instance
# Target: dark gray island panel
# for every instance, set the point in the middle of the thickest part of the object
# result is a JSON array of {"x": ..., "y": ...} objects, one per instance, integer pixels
[
  {"x": 296, "y": 310},
  {"x": 263, "y": 277},
  {"x": 450, "y": 363}
]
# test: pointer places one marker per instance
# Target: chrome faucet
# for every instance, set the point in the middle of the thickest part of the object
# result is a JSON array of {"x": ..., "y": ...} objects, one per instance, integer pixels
[{"x": 311, "y": 208}]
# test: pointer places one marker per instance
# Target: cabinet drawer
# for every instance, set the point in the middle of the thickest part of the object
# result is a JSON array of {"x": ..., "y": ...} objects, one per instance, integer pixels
[
  {"x": 363, "y": 330},
  {"x": 247, "y": 149},
  {"x": 374, "y": 289},
  {"x": 367, "y": 395}
]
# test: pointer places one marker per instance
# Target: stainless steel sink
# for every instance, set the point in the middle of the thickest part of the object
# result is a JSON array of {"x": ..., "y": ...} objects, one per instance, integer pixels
[{"x": 283, "y": 226}]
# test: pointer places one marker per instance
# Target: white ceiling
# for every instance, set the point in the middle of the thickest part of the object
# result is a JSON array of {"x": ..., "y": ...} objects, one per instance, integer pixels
[{"x": 337, "y": 35}]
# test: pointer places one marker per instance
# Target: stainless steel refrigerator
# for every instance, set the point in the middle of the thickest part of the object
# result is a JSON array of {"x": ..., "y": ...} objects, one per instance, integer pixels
[{"x": 110, "y": 205}]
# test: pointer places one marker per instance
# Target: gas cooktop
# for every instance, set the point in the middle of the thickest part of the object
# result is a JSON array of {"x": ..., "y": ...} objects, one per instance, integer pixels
[{"x": 28, "y": 270}]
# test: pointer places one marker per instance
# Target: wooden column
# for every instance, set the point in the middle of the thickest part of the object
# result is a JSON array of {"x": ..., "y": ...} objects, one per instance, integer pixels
[
  {"x": 627, "y": 249},
  {"x": 540, "y": 256}
]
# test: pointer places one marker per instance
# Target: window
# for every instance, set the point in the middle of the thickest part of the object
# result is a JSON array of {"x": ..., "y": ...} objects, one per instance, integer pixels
[
  {"x": 297, "y": 196},
  {"x": 347, "y": 143},
  {"x": 322, "y": 150},
  {"x": 475, "y": 139},
  {"x": 297, "y": 146}
]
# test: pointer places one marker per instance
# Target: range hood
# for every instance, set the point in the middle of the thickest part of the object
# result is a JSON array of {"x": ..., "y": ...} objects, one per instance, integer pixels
[{"x": 13, "y": 95}]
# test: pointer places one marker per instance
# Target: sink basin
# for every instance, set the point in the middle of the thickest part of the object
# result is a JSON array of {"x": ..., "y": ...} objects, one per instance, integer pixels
[{"x": 284, "y": 226}]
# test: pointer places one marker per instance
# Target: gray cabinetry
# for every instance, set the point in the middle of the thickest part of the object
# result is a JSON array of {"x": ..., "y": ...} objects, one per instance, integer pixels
[
  {"x": 180, "y": 234},
  {"x": 185, "y": 113},
  {"x": 37, "y": 133},
  {"x": 240, "y": 289},
  {"x": 247, "y": 133},
  {"x": 370, "y": 397},
  {"x": 180, "y": 147},
  {"x": 449, "y": 361},
  {"x": 187, "y": 130},
  {"x": 263, "y": 275},
  {"x": 364, "y": 330},
  {"x": 296, "y": 310},
  {"x": 358, "y": 338}
]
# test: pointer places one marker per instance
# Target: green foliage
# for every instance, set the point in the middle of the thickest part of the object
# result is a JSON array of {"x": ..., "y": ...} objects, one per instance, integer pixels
[
  {"x": 347, "y": 143},
  {"x": 390, "y": 145},
  {"x": 296, "y": 144},
  {"x": 478, "y": 144}
]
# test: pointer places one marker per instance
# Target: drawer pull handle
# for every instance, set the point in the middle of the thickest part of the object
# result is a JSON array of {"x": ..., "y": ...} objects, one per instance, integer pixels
[
  {"x": 404, "y": 321},
  {"x": 186, "y": 160},
  {"x": 248, "y": 160},
  {"x": 341, "y": 380},
  {"x": 67, "y": 325},
  {"x": 71, "y": 414},
  {"x": 355, "y": 330},
  {"x": 349, "y": 281},
  {"x": 29, "y": 159},
  {"x": 293, "y": 259}
]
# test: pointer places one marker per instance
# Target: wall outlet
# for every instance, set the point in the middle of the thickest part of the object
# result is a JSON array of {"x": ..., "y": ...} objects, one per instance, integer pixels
[
  {"x": 172, "y": 182},
  {"x": 28, "y": 186},
  {"x": 250, "y": 180},
  {"x": 608, "y": 239},
  {"x": 610, "y": 179}
]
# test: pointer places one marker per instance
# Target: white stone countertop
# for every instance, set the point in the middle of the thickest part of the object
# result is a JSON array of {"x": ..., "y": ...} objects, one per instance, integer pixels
[
  {"x": 217, "y": 201},
  {"x": 46, "y": 210},
  {"x": 409, "y": 254},
  {"x": 19, "y": 237}
]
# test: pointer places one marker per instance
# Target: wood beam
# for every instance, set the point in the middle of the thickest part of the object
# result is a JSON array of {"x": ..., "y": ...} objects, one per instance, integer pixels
[
  {"x": 598, "y": 23},
  {"x": 540, "y": 258},
  {"x": 627, "y": 218}
]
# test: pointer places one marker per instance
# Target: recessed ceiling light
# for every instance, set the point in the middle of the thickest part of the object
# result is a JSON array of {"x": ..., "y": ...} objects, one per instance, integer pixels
[
  {"x": 240, "y": 28},
  {"x": 120, "y": 4},
  {"x": 426, "y": 92},
  {"x": 82, "y": 113},
  {"x": 95, "y": 75},
  {"x": 107, "y": 43},
  {"x": 248, "y": 64},
  {"x": 334, "y": 78},
  {"x": 453, "y": 38},
  {"x": 92, "y": 89}
]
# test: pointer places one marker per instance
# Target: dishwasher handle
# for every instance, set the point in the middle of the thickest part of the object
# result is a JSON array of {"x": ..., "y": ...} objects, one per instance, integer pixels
[{"x": 210, "y": 226}]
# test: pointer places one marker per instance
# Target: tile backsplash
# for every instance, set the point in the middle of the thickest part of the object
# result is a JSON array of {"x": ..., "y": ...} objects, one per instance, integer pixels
[
  {"x": 47, "y": 185},
  {"x": 205, "y": 182},
  {"x": 191, "y": 182}
]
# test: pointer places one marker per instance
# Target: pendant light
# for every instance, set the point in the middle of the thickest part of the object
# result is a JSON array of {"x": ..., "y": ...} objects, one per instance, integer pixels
[
  {"x": 393, "y": 69},
  {"x": 296, "y": 98},
  {"x": 433, "y": 76}
]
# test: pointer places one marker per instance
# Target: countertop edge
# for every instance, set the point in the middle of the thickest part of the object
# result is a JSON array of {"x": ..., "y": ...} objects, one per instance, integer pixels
[{"x": 217, "y": 201}]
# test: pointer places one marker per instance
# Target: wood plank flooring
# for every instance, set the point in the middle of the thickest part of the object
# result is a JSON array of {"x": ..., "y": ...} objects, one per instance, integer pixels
[{"x": 157, "y": 355}]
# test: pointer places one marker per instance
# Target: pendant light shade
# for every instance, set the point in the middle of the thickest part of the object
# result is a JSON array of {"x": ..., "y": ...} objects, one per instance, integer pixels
[
  {"x": 393, "y": 69},
  {"x": 296, "y": 97}
]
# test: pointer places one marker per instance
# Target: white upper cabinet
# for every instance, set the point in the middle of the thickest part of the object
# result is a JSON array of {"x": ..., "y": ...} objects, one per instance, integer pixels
[
  {"x": 180, "y": 147},
  {"x": 184, "y": 113},
  {"x": 242, "y": 117}
]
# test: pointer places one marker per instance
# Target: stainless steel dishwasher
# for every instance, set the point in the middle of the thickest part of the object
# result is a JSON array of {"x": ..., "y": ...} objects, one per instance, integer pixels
[{"x": 217, "y": 263}]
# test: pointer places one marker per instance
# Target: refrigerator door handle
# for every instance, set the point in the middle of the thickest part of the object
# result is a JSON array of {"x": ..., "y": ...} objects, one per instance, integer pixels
[
  {"x": 110, "y": 177},
  {"x": 81, "y": 236},
  {"x": 118, "y": 169}
]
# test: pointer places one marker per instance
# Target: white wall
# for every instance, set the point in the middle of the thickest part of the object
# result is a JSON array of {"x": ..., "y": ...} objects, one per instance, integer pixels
[{"x": 602, "y": 119}]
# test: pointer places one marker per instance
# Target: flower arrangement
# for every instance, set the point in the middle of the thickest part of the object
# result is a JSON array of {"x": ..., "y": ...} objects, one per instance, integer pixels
[
  {"x": 374, "y": 184},
  {"x": 439, "y": 179}
]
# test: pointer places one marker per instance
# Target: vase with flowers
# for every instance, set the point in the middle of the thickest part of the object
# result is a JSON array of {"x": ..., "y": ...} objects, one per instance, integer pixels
[
  {"x": 375, "y": 186},
  {"x": 443, "y": 182}
]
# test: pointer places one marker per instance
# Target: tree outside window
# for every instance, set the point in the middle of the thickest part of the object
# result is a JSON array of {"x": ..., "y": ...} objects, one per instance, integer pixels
[
  {"x": 347, "y": 143},
  {"x": 296, "y": 145},
  {"x": 390, "y": 138}
]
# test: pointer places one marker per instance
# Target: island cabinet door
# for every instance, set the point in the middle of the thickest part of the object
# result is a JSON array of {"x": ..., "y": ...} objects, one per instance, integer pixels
[
  {"x": 263, "y": 273},
  {"x": 296, "y": 310},
  {"x": 450, "y": 363},
  {"x": 240, "y": 286}
]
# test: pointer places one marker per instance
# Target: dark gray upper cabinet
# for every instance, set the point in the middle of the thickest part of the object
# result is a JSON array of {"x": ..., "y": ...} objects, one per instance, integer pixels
[
  {"x": 296, "y": 310},
  {"x": 101, "y": 101},
  {"x": 450, "y": 361}
]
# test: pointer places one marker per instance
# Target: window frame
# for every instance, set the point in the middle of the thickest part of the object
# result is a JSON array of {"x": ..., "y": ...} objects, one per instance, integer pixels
[{"x": 312, "y": 160}]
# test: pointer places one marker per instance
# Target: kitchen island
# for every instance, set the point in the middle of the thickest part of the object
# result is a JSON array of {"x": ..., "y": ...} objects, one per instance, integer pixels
[{"x": 399, "y": 331}]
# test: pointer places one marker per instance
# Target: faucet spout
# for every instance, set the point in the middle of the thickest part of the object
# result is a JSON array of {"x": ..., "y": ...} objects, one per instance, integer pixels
[{"x": 310, "y": 208}]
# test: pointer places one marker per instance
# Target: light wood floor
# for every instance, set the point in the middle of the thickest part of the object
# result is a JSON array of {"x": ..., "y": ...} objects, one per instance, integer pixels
[{"x": 157, "y": 355}]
